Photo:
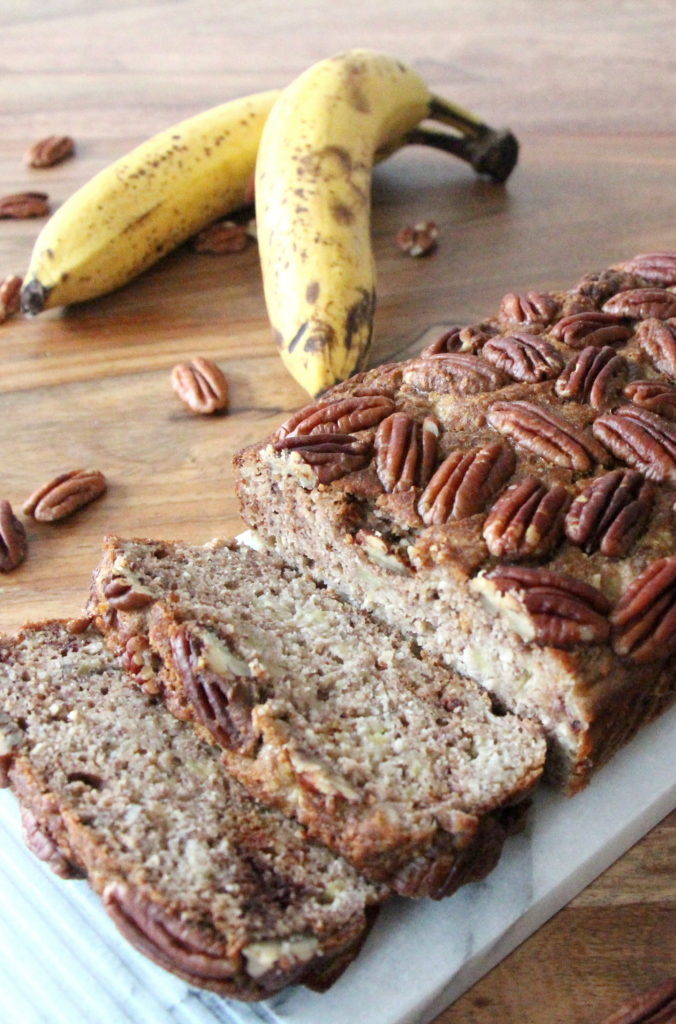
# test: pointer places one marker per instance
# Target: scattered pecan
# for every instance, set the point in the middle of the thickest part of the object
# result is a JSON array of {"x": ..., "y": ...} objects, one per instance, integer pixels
[
  {"x": 611, "y": 513},
  {"x": 657, "y": 338},
  {"x": 641, "y": 303},
  {"x": 406, "y": 451},
  {"x": 201, "y": 385},
  {"x": 342, "y": 416},
  {"x": 655, "y": 395},
  {"x": 50, "y": 151},
  {"x": 465, "y": 482},
  {"x": 564, "y": 611},
  {"x": 10, "y": 296},
  {"x": 527, "y": 520},
  {"x": 121, "y": 595},
  {"x": 658, "y": 268},
  {"x": 582, "y": 329},
  {"x": 656, "y": 1006},
  {"x": 13, "y": 541},
  {"x": 225, "y": 236},
  {"x": 22, "y": 205},
  {"x": 65, "y": 494},
  {"x": 454, "y": 371},
  {"x": 222, "y": 704},
  {"x": 644, "y": 619},
  {"x": 594, "y": 375},
  {"x": 641, "y": 439},
  {"x": 330, "y": 455},
  {"x": 546, "y": 434},
  {"x": 600, "y": 285},
  {"x": 526, "y": 357},
  {"x": 528, "y": 308},
  {"x": 166, "y": 938},
  {"x": 418, "y": 239}
]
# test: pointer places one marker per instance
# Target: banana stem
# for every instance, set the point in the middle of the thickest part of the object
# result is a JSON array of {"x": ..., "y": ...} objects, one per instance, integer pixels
[
  {"x": 489, "y": 152},
  {"x": 449, "y": 113}
]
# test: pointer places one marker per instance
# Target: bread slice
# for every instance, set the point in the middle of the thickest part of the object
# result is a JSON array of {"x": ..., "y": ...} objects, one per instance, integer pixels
[
  {"x": 507, "y": 499},
  {"x": 213, "y": 887},
  {"x": 386, "y": 757}
]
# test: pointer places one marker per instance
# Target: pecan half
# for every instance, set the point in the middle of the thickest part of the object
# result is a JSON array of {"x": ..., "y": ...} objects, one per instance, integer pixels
[
  {"x": 528, "y": 308},
  {"x": 201, "y": 385},
  {"x": 641, "y": 439},
  {"x": 465, "y": 482},
  {"x": 122, "y": 595},
  {"x": 13, "y": 541},
  {"x": 406, "y": 451},
  {"x": 330, "y": 455},
  {"x": 582, "y": 329},
  {"x": 10, "y": 296},
  {"x": 527, "y": 520},
  {"x": 655, "y": 395},
  {"x": 600, "y": 285},
  {"x": 65, "y": 494},
  {"x": 22, "y": 205},
  {"x": 418, "y": 239},
  {"x": 657, "y": 338},
  {"x": 222, "y": 704},
  {"x": 644, "y": 619},
  {"x": 594, "y": 375},
  {"x": 641, "y": 303},
  {"x": 545, "y": 434},
  {"x": 447, "y": 341},
  {"x": 42, "y": 845},
  {"x": 341, "y": 416},
  {"x": 526, "y": 357},
  {"x": 166, "y": 939},
  {"x": 562, "y": 611},
  {"x": 225, "y": 236},
  {"x": 50, "y": 151},
  {"x": 658, "y": 268},
  {"x": 454, "y": 372},
  {"x": 611, "y": 513}
]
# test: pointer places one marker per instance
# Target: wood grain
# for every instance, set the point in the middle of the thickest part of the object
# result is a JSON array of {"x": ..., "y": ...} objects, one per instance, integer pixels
[{"x": 588, "y": 88}]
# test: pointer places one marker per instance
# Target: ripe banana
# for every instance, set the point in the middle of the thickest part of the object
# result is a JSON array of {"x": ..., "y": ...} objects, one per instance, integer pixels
[
  {"x": 313, "y": 184},
  {"x": 147, "y": 203}
]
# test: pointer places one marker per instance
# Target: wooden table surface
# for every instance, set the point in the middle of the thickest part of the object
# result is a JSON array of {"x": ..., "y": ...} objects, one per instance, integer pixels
[{"x": 588, "y": 88}]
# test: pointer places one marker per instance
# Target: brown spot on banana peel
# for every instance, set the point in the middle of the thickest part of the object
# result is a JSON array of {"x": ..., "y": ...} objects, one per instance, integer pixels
[
  {"x": 312, "y": 292},
  {"x": 359, "y": 322},
  {"x": 342, "y": 213}
]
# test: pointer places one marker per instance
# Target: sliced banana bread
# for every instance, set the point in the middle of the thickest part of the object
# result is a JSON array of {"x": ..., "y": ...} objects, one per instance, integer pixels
[
  {"x": 507, "y": 498},
  {"x": 225, "y": 893},
  {"x": 384, "y": 755}
]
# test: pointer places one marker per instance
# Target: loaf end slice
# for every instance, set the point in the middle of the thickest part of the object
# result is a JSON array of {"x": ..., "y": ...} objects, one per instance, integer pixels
[
  {"x": 385, "y": 756},
  {"x": 222, "y": 892}
]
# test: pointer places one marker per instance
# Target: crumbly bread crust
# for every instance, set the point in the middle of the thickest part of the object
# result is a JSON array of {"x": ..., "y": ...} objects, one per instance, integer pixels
[
  {"x": 507, "y": 498},
  {"x": 228, "y": 895},
  {"x": 385, "y": 756}
]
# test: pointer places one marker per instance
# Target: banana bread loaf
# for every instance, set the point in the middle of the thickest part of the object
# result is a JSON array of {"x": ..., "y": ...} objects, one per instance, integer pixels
[
  {"x": 388, "y": 758},
  {"x": 223, "y": 892},
  {"x": 507, "y": 498}
]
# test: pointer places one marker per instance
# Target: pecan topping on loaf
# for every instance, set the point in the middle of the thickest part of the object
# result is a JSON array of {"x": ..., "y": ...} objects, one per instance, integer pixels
[
  {"x": 527, "y": 520},
  {"x": 342, "y": 416},
  {"x": 611, "y": 513},
  {"x": 655, "y": 395},
  {"x": 222, "y": 703},
  {"x": 594, "y": 375},
  {"x": 600, "y": 285},
  {"x": 659, "y": 268},
  {"x": 459, "y": 339},
  {"x": 330, "y": 455},
  {"x": 644, "y": 619},
  {"x": 406, "y": 451},
  {"x": 528, "y": 308},
  {"x": 464, "y": 483},
  {"x": 561, "y": 611},
  {"x": 450, "y": 372},
  {"x": 642, "y": 439},
  {"x": 657, "y": 338},
  {"x": 524, "y": 356},
  {"x": 593, "y": 328},
  {"x": 641, "y": 303},
  {"x": 546, "y": 434}
]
